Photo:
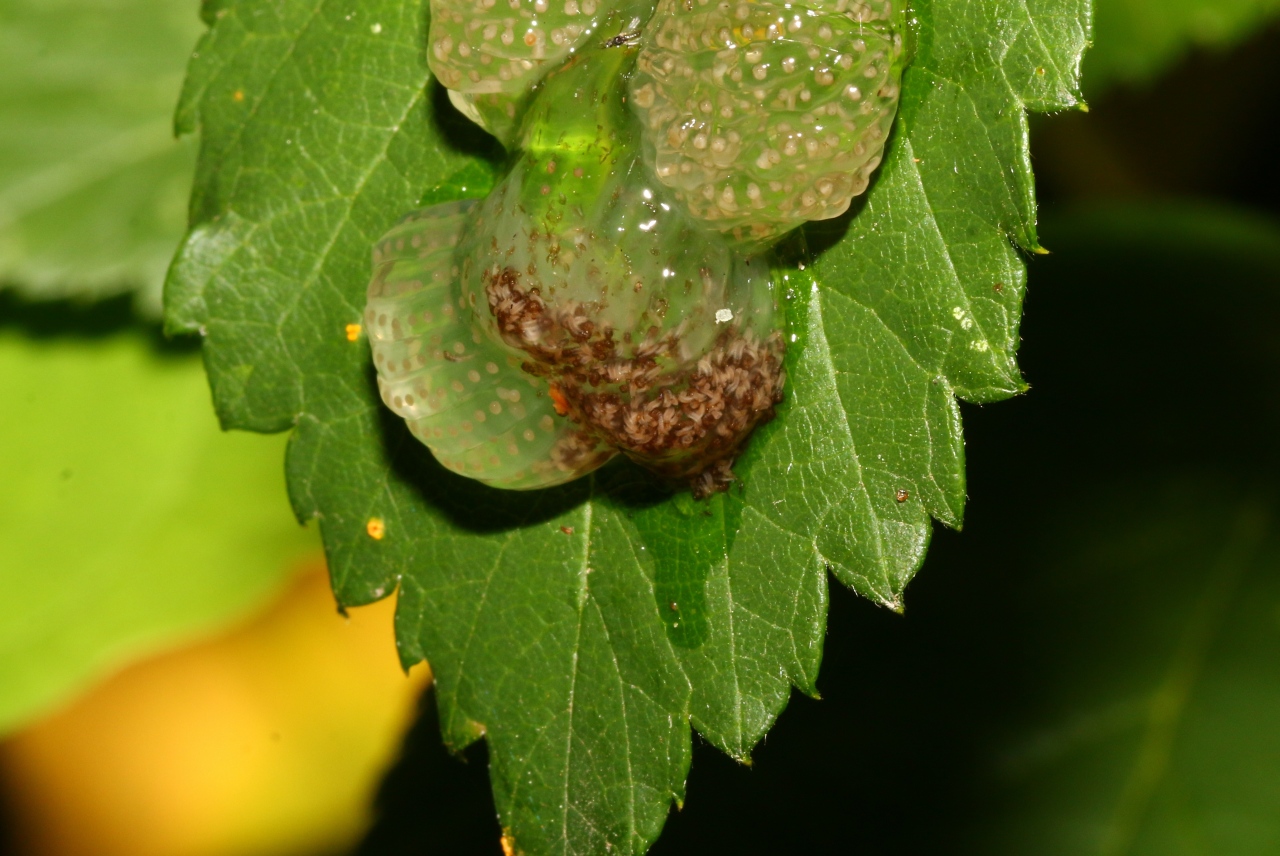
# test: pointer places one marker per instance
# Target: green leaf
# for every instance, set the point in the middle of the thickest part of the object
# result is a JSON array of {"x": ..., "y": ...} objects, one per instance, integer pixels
[
  {"x": 1136, "y": 40},
  {"x": 581, "y": 630},
  {"x": 93, "y": 186},
  {"x": 127, "y": 520}
]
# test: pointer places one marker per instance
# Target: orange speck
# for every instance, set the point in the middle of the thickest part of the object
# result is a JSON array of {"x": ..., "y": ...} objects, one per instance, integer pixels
[
  {"x": 568, "y": 530},
  {"x": 238, "y": 95},
  {"x": 353, "y": 332},
  {"x": 558, "y": 401},
  {"x": 376, "y": 528},
  {"x": 902, "y": 495},
  {"x": 508, "y": 844}
]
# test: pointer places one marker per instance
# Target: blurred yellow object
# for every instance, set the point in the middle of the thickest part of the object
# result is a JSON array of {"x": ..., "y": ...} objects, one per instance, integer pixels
[{"x": 270, "y": 739}]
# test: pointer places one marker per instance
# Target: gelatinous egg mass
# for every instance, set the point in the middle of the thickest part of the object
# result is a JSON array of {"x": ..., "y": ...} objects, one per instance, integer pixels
[
  {"x": 491, "y": 53},
  {"x": 614, "y": 293},
  {"x": 463, "y": 396},
  {"x": 763, "y": 115},
  {"x": 657, "y": 336},
  {"x": 576, "y": 312}
]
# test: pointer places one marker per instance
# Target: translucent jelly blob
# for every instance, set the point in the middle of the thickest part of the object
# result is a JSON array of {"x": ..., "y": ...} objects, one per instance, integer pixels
[
  {"x": 764, "y": 115},
  {"x": 614, "y": 293}
]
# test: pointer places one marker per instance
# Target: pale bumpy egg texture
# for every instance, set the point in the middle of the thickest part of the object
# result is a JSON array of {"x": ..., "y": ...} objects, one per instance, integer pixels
[{"x": 616, "y": 292}]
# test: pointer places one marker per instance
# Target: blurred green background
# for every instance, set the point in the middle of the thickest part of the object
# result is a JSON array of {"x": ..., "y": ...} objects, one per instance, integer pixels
[{"x": 1091, "y": 667}]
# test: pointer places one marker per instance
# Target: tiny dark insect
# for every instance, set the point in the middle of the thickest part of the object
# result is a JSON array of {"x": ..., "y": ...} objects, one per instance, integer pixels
[
  {"x": 902, "y": 495},
  {"x": 624, "y": 40}
]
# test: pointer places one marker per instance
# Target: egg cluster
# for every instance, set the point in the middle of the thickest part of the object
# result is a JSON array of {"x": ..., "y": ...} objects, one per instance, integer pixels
[
  {"x": 763, "y": 115},
  {"x": 467, "y": 399},
  {"x": 654, "y": 337},
  {"x": 491, "y": 53},
  {"x": 615, "y": 292}
]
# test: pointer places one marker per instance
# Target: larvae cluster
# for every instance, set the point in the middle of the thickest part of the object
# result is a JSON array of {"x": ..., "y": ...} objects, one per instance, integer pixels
[{"x": 763, "y": 115}]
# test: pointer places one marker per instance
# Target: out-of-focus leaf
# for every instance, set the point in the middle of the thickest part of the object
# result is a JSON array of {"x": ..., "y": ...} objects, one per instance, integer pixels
[
  {"x": 93, "y": 186},
  {"x": 1150, "y": 725},
  {"x": 127, "y": 518},
  {"x": 581, "y": 630},
  {"x": 1142, "y": 700},
  {"x": 268, "y": 738},
  {"x": 1136, "y": 40}
]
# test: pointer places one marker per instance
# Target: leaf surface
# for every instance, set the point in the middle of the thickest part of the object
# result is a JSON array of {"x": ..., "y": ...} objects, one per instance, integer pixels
[
  {"x": 581, "y": 630},
  {"x": 92, "y": 182}
]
